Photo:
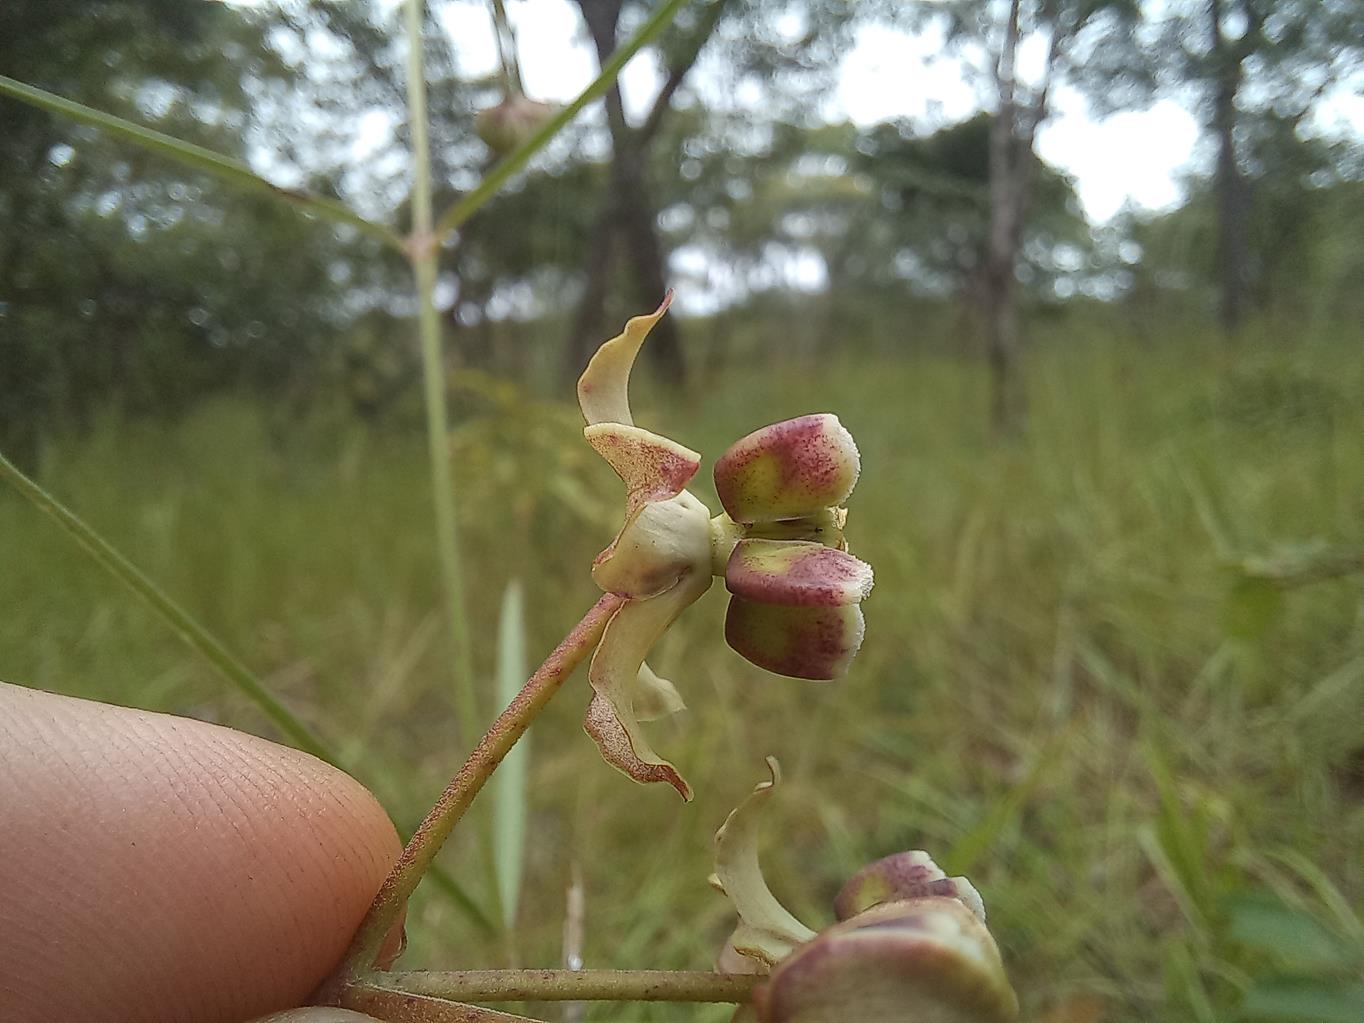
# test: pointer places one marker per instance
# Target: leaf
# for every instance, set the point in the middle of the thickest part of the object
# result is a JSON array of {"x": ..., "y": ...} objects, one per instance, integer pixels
[
  {"x": 1251, "y": 606},
  {"x": 1292, "y": 936},
  {"x": 510, "y": 782},
  {"x": 234, "y": 172},
  {"x": 1304, "y": 1000}
]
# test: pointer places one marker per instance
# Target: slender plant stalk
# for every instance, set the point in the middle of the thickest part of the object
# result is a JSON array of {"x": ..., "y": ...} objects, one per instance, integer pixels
[
  {"x": 424, "y": 253},
  {"x": 571, "y": 985},
  {"x": 234, "y": 172},
  {"x": 431, "y": 834},
  {"x": 194, "y": 635},
  {"x": 462, "y": 210}
]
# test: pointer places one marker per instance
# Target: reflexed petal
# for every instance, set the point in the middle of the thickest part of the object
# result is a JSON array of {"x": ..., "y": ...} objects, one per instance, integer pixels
[
  {"x": 655, "y": 697},
  {"x": 652, "y": 467},
  {"x": 788, "y": 470},
  {"x": 767, "y": 932},
  {"x": 928, "y": 959},
  {"x": 660, "y": 543},
  {"x": 906, "y": 875},
  {"x": 614, "y": 674},
  {"x": 603, "y": 389},
  {"x": 801, "y": 642},
  {"x": 796, "y": 573}
]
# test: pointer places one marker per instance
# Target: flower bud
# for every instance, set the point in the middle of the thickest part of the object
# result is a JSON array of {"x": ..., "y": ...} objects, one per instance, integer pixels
[
  {"x": 797, "y": 573},
  {"x": 905, "y": 875},
  {"x": 788, "y": 470},
  {"x": 814, "y": 642},
  {"x": 925, "y": 959},
  {"x": 511, "y": 123}
]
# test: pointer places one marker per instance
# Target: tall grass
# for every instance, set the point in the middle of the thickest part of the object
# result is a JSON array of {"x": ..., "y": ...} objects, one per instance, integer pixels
[{"x": 1056, "y": 627}]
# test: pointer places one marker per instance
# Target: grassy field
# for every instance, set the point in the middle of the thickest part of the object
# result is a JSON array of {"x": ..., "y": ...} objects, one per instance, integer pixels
[{"x": 1069, "y": 690}]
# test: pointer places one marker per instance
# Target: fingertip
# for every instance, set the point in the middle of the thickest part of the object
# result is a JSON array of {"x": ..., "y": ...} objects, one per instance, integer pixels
[{"x": 167, "y": 869}]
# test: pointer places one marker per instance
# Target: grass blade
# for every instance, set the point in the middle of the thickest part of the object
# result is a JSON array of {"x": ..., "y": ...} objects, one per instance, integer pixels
[
  {"x": 198, "y": 638},
  {"x": 510, "y": 783},
  {"x": 181, "y": 621},
  {"x": 234, "y": 172},
  {"x": 520, "y": 156}
]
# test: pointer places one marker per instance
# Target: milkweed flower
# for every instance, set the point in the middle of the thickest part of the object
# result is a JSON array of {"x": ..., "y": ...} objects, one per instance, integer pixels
[
  {"x": 795, "y": 590},
  {"x": 778, "y": 545},
  {"x": 911, "y": 943}
]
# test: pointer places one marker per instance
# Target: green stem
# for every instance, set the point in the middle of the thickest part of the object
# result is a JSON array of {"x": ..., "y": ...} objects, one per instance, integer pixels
[
  {"x": 424, "y": 253},
  {"x": 199, "y": 639},
  {"x": 508, "y": 60},
  {"x": 571, "y": 985},
  {"x": 520, "y": 156},
  {"x": 234, "y": 172},
  {"x": 510, "y": 725}
]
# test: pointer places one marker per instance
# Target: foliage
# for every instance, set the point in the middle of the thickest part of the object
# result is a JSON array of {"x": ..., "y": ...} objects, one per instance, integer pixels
[{"x": 1044, "y": 614}]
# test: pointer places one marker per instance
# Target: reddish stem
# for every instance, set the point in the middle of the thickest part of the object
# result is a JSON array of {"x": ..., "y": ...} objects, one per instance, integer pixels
[{"x": 510, "y": 725}]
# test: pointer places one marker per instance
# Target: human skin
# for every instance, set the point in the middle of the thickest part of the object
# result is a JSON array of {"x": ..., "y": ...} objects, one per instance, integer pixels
[{"x": 155, "y": 868}]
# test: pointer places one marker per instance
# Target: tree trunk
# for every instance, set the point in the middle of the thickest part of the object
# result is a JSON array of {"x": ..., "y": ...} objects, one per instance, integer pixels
[
  {"x": 627, "y": 216},
  {"x": 1000, "y": 291},
  {"x": 1229, "y": 183}
]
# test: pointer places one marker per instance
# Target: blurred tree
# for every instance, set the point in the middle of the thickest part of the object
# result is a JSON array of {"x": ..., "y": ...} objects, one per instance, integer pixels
[
  {"x": 1262, "y": 67},
  {"x": 992, "y": 35},
  {"x": 626, "y": 227},
  {"x": 764, "y": 64},
  {"x": 1304, "y": 200},
  {"x": 932, "y": 212},
  {"x": 126, "y": 281}
]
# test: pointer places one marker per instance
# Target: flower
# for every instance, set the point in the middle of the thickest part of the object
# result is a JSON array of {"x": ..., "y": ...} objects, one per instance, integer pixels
[
  {"x": 911, "y": 943},
  {"x": 779, "y": 546},
  {"x": 795, "y": 590}
]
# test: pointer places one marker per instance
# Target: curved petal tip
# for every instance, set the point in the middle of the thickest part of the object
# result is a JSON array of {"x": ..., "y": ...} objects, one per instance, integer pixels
[{"x": 603, "y": 389}]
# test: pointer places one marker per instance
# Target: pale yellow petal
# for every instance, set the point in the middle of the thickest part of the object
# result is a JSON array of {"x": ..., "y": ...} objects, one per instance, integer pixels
[
  {"x": 767, "y": 931},
  {"x": 603, "y": 389}
]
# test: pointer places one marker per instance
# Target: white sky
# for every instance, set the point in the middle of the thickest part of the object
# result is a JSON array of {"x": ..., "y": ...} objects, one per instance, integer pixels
[{"x": 1133, "y": 158}]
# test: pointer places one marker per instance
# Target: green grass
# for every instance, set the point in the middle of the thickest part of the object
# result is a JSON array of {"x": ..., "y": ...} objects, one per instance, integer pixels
[{"x": 1057, "y": 693}]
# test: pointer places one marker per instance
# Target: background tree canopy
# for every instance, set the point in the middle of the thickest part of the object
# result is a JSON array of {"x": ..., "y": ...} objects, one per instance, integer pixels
[{"x": 1113, "y": 471}]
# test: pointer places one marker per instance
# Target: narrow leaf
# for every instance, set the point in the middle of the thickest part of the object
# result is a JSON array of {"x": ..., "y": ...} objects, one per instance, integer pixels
[
  {"x": 1304, "y": 1000},
  {"x": 234, "y": 172},
  {"x": 1289, "y": 935},
  {"x": 198, "y": 638},
  {"x": 509, "y": 784}
]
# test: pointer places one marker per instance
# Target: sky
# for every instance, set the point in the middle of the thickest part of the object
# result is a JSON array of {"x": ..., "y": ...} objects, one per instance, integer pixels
[{"x": 1135, "y": 158}]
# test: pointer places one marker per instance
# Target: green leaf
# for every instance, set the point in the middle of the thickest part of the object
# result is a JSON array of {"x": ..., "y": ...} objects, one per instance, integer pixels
[
  {"x": 1291, "y": 936},
  {"x": 234, "y": 172},
  {"x": 510, "y": 783},
  {"x": 1251, "y": 606},
  {"x": 1304, "y": 1000}
]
